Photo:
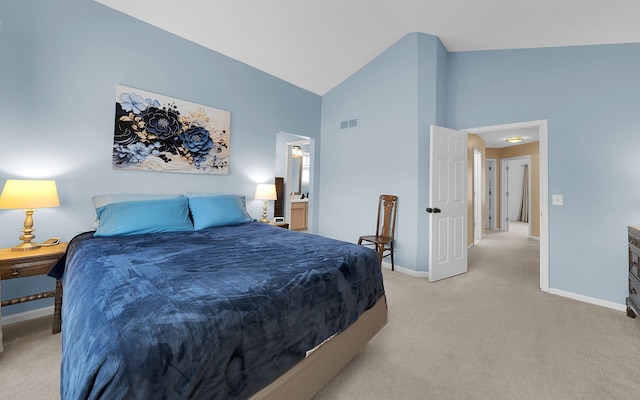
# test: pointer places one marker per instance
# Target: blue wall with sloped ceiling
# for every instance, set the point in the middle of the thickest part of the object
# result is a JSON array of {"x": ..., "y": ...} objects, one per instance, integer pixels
[
  {"x": 589, "y": 95},
  {"x": 60, "y": 62},
  {"x": 395, "y": 97}
]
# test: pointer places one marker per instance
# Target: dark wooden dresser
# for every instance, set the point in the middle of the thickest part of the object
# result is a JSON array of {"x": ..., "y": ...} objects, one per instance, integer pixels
[{"x": 633, "y": 301}]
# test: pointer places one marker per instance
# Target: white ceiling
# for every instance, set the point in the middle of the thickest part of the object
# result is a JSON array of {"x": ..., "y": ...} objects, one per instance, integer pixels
[
  {"x": 498, "y": 139},
  {"x": 318, "y": 44}
]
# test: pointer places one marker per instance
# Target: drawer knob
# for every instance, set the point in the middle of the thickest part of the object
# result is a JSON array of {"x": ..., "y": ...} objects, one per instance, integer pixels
[
  {"x": 15, "y": 273},
  {"x": 633, "y": 291}
]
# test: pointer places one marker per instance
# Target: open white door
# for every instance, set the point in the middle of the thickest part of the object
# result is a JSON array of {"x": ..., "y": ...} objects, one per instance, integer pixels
[{"x": 447, "y": 203}]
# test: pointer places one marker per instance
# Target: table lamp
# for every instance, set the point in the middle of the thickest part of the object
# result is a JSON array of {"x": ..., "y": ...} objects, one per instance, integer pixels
[
  {"x": 265, "y": 191},
  {"x": 27, "y": 195}
]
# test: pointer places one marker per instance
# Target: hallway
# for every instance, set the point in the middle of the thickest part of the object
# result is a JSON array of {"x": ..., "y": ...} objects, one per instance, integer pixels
[{"x": 510, "y": 255}]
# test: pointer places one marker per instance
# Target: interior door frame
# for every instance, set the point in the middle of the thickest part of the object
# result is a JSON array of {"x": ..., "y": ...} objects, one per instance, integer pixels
[
  {"x": 283, "y": 141},
  {"x": 491, "y": 194},
  {"x": 543, "y": 144},
  {"x": 478, "y": 221}
]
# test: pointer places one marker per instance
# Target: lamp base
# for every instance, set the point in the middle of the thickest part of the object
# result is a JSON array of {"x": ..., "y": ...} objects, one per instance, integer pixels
[
  {"x": 27, "y": 235},
  {"x": 264, "y": 212},
  {"x": 26, "y": 246}
]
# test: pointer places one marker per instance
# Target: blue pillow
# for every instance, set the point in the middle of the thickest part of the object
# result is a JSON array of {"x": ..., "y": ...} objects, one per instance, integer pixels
[
  {"x": 218, "y": 210},
  {"x": 104, "y": 199},
  {"x": 138, "y": 217}
]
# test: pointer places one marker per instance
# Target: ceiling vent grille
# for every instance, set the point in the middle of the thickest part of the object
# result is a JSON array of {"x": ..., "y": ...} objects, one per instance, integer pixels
[{"x": 349, "y": 123}]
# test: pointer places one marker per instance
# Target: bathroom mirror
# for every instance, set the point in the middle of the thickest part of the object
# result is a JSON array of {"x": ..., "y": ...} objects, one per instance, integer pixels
[{"x": 296, "y": 175}]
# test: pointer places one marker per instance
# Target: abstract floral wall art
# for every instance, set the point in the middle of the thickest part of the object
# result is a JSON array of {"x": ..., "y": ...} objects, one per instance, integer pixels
[{"x": 157, "y": 133}]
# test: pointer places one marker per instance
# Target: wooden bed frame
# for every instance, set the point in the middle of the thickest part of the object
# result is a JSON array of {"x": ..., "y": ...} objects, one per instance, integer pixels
[{"x": 306, "y": 378}]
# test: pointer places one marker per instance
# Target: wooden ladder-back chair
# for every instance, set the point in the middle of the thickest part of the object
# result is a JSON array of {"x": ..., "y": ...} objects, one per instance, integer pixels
[{"x": 385, "y": 228}]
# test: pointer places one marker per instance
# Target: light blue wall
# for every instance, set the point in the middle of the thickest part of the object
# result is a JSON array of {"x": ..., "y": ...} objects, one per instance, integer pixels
[
  {"x": 60, "y": 62},
  {"x": 432, "y": 62},
  {"x": 590, "y": 97},
  {"x": 395, "y": 98}
]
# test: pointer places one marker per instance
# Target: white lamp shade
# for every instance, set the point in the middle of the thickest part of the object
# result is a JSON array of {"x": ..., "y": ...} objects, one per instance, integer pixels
[
  {"x": 29, "y": 194},
  {"x": 266, "y": 191}
]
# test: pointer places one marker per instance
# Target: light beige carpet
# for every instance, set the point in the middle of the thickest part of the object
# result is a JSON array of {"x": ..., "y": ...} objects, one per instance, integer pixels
[
  {"x": 487, "y": 334},
  {"x": 30, "y": 362},
  {"x": 492, "y": 334}
]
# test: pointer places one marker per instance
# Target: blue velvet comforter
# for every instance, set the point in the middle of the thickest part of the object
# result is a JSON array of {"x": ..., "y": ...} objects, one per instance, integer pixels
[{"x": 212, "y": 314}]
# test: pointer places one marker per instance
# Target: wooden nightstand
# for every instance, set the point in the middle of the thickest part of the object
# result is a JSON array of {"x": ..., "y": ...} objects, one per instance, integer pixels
[{"x": 20, "y": 264}]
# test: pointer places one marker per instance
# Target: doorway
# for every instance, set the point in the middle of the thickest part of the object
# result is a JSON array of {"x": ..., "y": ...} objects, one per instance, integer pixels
[
  {"x": 541, "y": 129},
  {"x": 515, "y": 191},
  {"x": 297, "y": 184},
  {"x": 298, "y": 175}
]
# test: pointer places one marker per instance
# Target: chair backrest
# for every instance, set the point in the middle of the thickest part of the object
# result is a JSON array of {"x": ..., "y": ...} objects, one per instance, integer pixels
[{"x": 386, "y": 226}]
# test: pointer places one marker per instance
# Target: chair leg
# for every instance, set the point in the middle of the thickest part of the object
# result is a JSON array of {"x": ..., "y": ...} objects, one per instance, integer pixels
[
  {"x": 380, "y": 248},
  {"x": 392, "y": 263}
]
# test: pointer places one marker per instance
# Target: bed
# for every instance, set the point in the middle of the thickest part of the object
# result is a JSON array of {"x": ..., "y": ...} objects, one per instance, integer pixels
[{"x": 223, "y": 310}]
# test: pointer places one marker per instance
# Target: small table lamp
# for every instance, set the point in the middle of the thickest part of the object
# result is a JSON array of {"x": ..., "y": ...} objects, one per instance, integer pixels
[
  {"x": 265, "y": 191},
  {"x": 27, "y": 195}
]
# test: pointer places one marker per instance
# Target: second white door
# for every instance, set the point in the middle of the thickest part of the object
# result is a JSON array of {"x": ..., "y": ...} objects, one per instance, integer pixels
[{"x": 447, "y": 203}]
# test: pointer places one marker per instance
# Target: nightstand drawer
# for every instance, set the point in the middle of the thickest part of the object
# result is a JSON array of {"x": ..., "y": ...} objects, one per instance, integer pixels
[{"x": 24, "y": 269}]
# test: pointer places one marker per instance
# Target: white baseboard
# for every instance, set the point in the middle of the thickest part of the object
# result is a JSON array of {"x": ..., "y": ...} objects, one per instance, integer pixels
[
  {"x": 406, "y": 271},
  {"x": 557, "y": 292},
  {"x": 27, "y": 315},
  {"x": 590, "y": 300}
]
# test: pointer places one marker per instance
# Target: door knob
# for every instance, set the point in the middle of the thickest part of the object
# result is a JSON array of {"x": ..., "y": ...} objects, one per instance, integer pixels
[
  {"x": 436, "y": 210},
  {"x": 429, "y": 210}
]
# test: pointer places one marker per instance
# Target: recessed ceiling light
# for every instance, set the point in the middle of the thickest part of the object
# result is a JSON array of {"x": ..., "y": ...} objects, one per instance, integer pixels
[{"x": 514, "y": 139}]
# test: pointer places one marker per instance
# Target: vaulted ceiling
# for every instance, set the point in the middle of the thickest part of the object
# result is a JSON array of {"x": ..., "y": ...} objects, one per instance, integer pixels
[{"x": 317, "y": 44}]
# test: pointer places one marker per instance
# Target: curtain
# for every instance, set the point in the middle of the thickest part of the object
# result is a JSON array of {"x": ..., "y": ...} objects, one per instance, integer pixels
[{"x": 524, "y": 204}]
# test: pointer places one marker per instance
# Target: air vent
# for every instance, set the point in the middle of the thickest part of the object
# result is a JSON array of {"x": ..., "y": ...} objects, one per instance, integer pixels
[{"x": 349, "y": 123}]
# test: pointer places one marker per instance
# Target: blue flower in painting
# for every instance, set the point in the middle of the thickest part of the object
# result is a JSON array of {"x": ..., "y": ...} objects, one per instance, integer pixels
[
  {"x": 132, "y": 153},
  {"x": 152, "y": 103},
  {"x": 162, "y": 123},
  {"x": 139, "y": 151},
  {"x": 132, "y": 102},
  {"x": 155, "y": 148},
  {"x": 120, "y": 155},
  {"x": 198, "y": 142}
]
